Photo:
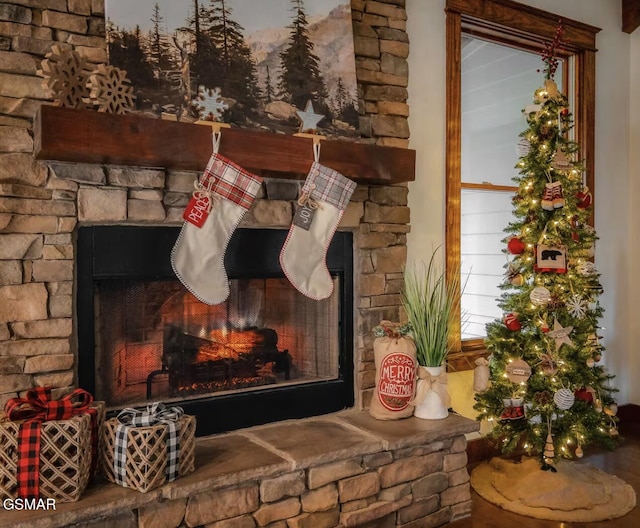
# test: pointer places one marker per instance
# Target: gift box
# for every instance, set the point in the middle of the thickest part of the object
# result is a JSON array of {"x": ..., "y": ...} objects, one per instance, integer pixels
[
  {"x": 142, "y": 450},
  {"x": 49, "y": 448}
]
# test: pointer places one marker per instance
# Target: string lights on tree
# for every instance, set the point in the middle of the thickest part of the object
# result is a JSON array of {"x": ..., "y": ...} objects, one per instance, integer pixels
[{"x": 545, "y": 350}]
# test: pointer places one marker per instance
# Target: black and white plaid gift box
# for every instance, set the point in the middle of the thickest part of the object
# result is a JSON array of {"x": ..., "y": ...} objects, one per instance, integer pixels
[{"x": 143, "y": 449}]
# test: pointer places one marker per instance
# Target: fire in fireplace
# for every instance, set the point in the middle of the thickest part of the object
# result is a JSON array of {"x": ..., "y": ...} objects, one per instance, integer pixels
[
  {"x": 267, "y": 353},
  {"x": 228, "y": 360},
  {"x": 159, "y": 341}
]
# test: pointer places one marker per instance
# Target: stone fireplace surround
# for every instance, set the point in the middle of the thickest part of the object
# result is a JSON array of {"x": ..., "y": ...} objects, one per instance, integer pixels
[
  {"x": 338, "y": 470},
  {"x": 344, "y": 469}
]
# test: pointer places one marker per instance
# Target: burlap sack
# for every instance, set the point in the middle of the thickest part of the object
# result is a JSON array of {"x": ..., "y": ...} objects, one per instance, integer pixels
[{"x": 395, "y": 360}]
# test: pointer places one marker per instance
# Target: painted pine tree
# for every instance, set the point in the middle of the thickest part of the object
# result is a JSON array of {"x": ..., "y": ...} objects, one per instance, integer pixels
[
  {"x": 161, "y": 54},
  {"x": 301, "y": 79},
  {"x": 548, "y": 392},
  {"x": 219, "y": 56},
  {"x": 235, "y": 73},
  {"x": 127, "y": 52}
]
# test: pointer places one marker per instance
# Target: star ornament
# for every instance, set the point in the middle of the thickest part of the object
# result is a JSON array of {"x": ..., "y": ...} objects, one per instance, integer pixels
[
  {"x": 560, "y": 334},
  {"x": 309, "y": 119}
]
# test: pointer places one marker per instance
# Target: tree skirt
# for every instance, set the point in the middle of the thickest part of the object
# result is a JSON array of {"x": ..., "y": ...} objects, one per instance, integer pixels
[{"x": 578, "y": 492}]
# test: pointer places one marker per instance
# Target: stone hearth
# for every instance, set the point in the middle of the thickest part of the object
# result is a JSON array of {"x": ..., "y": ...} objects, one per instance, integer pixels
[{"x": 340, "y": 470}]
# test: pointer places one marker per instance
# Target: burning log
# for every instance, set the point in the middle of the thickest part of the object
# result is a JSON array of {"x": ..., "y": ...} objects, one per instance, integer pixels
[{"x": 227, "y": 355}]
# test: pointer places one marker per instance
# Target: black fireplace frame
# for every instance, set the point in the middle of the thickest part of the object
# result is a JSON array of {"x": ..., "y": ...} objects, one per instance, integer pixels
[{"x": 117, "y": 252}]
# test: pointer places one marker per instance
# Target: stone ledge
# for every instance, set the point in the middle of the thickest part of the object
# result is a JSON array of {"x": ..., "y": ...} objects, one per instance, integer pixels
[
  {"x": 396, "y": 434},
  {"x": 247, "y": 455}
]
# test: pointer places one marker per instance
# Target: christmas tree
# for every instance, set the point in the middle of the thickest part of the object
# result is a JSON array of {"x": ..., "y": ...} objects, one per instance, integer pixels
[{"x": 549, "y": 394}]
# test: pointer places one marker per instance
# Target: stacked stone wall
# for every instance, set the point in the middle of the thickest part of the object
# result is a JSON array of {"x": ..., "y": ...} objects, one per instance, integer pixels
[{"x": 423, "y": 486}]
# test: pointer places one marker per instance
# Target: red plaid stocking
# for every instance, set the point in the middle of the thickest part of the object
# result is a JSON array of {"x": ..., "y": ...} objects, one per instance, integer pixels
[
  {"x": 324, "y": 198},
  {"x": 222, "y": 197}
]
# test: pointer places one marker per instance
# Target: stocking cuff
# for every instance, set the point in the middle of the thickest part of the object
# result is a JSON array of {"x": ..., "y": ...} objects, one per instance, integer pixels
[
  {"x": 231, "y": 181},
  {"x": 327, "y": 185}
]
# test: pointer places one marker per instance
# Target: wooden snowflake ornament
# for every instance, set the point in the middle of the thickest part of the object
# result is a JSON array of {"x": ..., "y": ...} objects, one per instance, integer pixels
[
  {"x": 208, "y": 104},
  {"x": 66, "y": 75},
  {"x": 111, "y": 91}
]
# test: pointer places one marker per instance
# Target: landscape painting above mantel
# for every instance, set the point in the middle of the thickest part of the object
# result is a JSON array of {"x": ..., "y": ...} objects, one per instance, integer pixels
[{"x": 251, "y": 64}]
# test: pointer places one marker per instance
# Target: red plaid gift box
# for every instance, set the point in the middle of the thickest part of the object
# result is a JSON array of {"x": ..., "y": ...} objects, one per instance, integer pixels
[{"x": 48, "y": 448}]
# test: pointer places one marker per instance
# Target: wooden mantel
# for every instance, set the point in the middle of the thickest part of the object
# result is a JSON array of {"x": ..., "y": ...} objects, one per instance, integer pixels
[{"x": 85, "y": 136}]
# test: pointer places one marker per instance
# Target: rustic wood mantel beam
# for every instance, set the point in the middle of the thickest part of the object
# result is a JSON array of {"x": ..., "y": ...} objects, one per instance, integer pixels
[
  {"x": 84, "y": 136},
  {"x": 630, "y": 15}
]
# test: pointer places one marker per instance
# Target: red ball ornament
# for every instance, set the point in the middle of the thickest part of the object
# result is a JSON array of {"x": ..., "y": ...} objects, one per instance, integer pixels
[
  {"x": 585, "y": 198},
  {"x": 512, "y": 322},
  {"x": 584, "y": 395},
  {"x": 515, "y": 246}
]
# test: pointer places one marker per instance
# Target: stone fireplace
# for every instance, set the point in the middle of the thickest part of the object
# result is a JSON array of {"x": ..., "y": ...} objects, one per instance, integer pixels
[
  {"x": 331, "y": 469},
  {"x": 121, "y": 196},
  {"x": 43, "y": 205}
]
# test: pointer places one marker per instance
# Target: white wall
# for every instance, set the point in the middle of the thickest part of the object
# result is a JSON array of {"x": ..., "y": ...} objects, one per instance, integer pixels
[
  {"x": 632, "y": 358},
  {"x": 425, "y": 27},
  {"x": 617, "y": 127}
]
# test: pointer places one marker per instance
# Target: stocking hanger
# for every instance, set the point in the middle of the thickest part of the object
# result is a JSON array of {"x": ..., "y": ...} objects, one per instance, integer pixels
[
  {"x": 316, "y": 138},
  {"x": 216, "y": 130}
]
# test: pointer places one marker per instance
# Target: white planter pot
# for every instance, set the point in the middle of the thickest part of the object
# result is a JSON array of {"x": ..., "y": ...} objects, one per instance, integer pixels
[{"x": 432, "y": 399}]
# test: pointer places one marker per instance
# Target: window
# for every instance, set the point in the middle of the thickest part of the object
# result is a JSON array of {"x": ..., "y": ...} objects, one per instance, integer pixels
[
  {"x": 492, "y": 63},
  {"x": 498, "y": 81}
]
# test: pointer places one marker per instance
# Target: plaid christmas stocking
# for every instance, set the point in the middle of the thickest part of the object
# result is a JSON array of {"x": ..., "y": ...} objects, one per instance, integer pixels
[
  {"x": 223, "y": 195},
  {"x": 323, "y": 200}
]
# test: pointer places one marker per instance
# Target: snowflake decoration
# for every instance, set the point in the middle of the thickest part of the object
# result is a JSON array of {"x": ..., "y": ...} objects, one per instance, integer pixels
[
  {"x": 209, "y": 104},
  {"x": 66, "y": 75},
  {"x": 111, "y": 91},
  {"x": 577, "y": 306}
]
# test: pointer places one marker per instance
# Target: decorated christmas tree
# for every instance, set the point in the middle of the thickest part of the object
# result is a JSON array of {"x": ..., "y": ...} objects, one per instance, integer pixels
[{"x": 549, "y": 394}]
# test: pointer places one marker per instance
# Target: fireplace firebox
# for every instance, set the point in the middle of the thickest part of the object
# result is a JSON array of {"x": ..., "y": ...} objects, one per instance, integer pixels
[{"x": 268, "y": 353}]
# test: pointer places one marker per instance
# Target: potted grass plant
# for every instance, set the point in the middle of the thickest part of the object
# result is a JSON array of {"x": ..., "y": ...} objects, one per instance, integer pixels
[{"x": 431, "y": 299}]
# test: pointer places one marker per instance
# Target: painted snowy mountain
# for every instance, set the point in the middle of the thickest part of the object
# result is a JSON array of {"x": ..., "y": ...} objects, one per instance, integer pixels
[{"x": 332, "y": 38}]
